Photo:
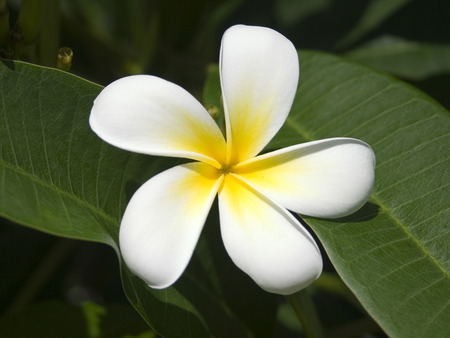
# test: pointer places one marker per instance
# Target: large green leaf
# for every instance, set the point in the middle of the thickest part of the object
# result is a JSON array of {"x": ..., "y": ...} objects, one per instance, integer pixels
[
  {"x": 57, "y": 176},
  {"x": 393, "y": 253}
]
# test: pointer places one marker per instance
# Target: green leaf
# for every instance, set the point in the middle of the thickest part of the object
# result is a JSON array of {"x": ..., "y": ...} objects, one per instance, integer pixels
[
  {"x": 376, "y": 12},
  {"x": 393, "y": 253},
  {"x": 93, "y": 314},
  {"x": 57, "y": 176},
  {"x": 290, "y": 12},
  {"x": 212, "y": 94},
  {"x": 407, "y": 59}
]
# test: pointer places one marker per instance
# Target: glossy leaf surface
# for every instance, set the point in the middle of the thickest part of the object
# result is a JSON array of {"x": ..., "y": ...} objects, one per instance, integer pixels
[{"x": 58, "y": 177}]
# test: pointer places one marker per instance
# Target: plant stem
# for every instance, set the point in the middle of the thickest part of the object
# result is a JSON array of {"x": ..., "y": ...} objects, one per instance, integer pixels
[
  {"x": 4, "y": 23},
  {"x": 306, "y": 312},
  {"x": 332, "y": 283},
  {"x": 30, "y": 19},
  {"x": 49, "y": 37}
]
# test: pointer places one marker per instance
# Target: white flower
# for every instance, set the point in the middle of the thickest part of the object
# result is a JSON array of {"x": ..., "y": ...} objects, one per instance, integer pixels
[{"x": 162, "y": 223}]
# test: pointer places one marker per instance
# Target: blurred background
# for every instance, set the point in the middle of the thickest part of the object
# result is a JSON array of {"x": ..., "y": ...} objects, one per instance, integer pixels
[{"x": 176, "y": 39}]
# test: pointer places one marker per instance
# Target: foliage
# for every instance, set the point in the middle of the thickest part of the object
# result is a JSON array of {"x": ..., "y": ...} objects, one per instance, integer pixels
[{"x": 57, "y": 177}]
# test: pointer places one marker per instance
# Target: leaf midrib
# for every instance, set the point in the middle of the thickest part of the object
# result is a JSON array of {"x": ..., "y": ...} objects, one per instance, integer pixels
[{"x": 388, "y": 211}]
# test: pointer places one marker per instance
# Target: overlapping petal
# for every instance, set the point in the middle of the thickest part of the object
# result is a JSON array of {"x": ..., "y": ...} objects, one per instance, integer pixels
[
  {"x": 149, "y": 115},
  {"x": 328, "y": 178},
  {"x": 163, "y": 221},
  {"x": 259, "y": 72},
  {"x": 266, "y": 241}
]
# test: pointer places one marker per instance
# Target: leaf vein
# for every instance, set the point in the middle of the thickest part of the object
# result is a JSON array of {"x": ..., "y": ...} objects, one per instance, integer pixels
[
  {"x": 379, "y": 116},
  {"x": 58, "y": 190},
  {"x": 44, "y": 141},
  {"x": 402, "y": 128},
  {"x": 419, "y": 172},
  {"x": 408, "y": 233},
  {"x": 8, "y": 132},
  {"x": 420, "y": 197},
  {"x": 348, "y": 112},
  {"x": 410, "y": 150},
  {"x": 332, "y": 89}
]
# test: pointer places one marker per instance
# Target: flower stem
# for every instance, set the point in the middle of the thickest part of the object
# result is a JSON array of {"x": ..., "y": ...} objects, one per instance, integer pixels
[
  {"x": 306, "y": 312},
  {"x": 333, "y": 284}
]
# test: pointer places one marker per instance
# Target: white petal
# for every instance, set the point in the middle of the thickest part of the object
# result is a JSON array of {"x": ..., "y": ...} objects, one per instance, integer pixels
[
  {"x": 328, "y": 178},
  {"x": 259, "y": 74},
  {"x": 163, "y": 221},
  {"x": 149, "y": 115},
  {"x": 265, "y": 240}
]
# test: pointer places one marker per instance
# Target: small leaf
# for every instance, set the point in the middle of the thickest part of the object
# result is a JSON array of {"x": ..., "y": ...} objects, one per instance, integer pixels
[
  {"x": 58, "y": 319},
  {"x": 376, "y": 12},
  {"x": 212, "y": 94},
  {"x": 93, "y": 314},
  {"x": 290, "y": 12},
  {"x": 407, "y": 59}
]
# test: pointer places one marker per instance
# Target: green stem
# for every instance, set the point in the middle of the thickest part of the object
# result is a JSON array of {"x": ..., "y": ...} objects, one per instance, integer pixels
[
  {"x": 332, "y": 283},
  {"x": 30, "y": 19},
  {"x": 49, "y": 37},
  {"x": 306, "y": 312},
  {"x": 4, "y": 23}
]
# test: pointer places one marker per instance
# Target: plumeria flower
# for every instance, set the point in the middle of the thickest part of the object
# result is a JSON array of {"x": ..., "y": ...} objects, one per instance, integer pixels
[{"x": 329, "y": 178}]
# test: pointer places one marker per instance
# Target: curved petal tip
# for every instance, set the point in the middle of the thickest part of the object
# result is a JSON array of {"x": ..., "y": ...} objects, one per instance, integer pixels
[
  {"x": 163, "y": 221},
  {"x": 265, "y": 240}
]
